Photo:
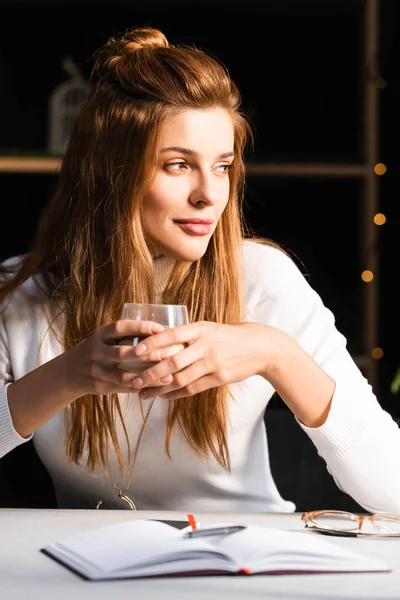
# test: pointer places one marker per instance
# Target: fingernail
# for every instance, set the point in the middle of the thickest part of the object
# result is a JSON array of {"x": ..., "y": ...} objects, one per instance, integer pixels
[
  {"x": 157, "y": 328},
  {"x": 163, "y": 395},
  {"x": 137, "y": 383},
  {"x": 166, "y": 379},
  {"x": 141, "y": 349},
  {"x": 144, "y": 394}
]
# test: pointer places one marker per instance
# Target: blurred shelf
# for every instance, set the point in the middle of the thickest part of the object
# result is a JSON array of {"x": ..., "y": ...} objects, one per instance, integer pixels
[
  {"x": 272, "y": 5},
  {"x": 304, "y": 169},
  {"x": 29, "y": 164},
  {"x": 51, "y": 164}
]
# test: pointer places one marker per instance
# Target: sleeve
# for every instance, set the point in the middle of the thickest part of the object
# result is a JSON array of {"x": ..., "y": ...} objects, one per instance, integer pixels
[
  {"x": 359, "y": 441},
  {"x": 9, "y": 438}
]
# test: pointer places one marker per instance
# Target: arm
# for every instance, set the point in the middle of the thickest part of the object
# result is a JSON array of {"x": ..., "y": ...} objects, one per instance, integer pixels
[
  {"x": 88, "y": 368},
  {"x": 9, "y": 437},
  {"x": 298, "y": 379},
  {"x": 331, "y": 399},
  {"x": 38, "y": 396}
]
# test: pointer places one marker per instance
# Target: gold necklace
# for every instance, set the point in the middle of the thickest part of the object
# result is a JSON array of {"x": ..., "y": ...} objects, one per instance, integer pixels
[{"x": 121, "y": 489}]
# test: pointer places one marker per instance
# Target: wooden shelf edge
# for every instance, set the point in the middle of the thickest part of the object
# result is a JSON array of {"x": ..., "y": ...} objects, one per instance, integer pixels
[
  {"x": 29, "y": 164},
  {"x": 51, "y": 164},
  {"x": 293, "y": 169}
]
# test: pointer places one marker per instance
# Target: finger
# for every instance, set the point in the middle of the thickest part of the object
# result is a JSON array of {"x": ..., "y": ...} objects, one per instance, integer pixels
[
  {"x": 137, "y": 383},
  {"x": 110, "y": 380},
  {"x": 155, "y": 375},
  {"x": 183, "y": 334},
  {"x": 185, "y": 380},
  {"x": 200, "y": 385},
  {"x": 125, "y": 353},
  {"x": 128, "y": 327}
]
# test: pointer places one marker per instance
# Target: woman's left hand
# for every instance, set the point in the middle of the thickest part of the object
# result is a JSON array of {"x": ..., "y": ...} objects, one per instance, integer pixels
[{"x": 214, "y": 355}]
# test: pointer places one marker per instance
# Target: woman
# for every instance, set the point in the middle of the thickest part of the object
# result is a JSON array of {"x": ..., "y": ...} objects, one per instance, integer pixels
[{"x": 147, "y": 209}]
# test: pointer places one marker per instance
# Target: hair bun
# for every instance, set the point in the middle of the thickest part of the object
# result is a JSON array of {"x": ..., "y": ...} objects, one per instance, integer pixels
[
  {"x": 114, "y": 57},
  {"x": 145, "y": 37}
]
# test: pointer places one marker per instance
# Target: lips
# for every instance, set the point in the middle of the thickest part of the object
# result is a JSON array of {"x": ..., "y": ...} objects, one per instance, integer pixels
[
  {"x": 195, "y": 221},
  {"x": 195, "y": 226}
]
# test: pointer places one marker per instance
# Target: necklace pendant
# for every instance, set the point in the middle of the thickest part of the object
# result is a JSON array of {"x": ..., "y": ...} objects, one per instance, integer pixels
[
  {"x": 123, "y": 497},
  {"x": 126, "y": 499}
]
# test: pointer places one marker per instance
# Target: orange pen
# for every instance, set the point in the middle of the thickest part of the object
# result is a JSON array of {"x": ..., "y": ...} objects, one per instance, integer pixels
[{"x": 192, "y": 521}]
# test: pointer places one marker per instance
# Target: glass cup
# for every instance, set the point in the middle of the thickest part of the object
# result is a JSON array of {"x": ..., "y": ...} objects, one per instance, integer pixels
[{"x": 167, "y": 315}]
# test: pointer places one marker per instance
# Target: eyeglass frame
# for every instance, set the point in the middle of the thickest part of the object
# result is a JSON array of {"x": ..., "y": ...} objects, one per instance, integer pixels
[{"x": 359, "y": 519}]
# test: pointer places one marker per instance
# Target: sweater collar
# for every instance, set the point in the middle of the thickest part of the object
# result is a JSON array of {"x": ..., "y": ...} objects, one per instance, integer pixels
[{"x": 163, "y": 266}]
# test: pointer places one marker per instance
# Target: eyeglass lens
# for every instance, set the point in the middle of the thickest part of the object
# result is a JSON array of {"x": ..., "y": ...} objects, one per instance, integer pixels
[{"x": 376, "y": 525}]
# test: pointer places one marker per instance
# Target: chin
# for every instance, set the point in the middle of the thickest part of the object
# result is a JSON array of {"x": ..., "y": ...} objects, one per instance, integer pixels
[{"x": 185, "y": 254}]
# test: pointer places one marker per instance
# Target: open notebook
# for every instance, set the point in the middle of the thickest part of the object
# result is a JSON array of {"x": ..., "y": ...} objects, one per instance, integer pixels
[{"x": 145, "y": 548}]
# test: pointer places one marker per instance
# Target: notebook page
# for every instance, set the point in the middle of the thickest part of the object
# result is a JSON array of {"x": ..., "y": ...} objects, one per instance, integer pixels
[
  {"x": 261, "y": 547},
  {"x": 182, "y": 567},
  {"x": 125, "y": 545},
  {"x": 117, "y": 545}
]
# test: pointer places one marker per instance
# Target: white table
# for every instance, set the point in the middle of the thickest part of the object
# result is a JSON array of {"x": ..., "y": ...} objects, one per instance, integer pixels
[{"x": 28, "y": 574}]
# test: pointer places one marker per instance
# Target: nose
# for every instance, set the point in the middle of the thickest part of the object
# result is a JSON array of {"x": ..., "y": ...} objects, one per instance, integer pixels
[{"x": 204, "y": 190}]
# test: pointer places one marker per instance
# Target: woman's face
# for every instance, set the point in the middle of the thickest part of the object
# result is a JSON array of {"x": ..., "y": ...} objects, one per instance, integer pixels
[{"x": 191, "y": 188}]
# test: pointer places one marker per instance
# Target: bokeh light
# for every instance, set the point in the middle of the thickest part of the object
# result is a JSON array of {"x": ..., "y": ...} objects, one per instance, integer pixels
[
  {"x": 367, "y": 276},
  {"x": 380, "y": 169},
  {"x": 379, "y": 219}
]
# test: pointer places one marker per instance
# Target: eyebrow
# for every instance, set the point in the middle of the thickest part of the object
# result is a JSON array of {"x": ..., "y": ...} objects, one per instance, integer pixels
[{"x": 191, "y": 152}]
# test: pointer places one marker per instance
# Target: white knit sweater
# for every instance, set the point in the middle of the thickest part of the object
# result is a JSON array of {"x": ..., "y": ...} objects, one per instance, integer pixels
[{"x": 359, "y": 441}]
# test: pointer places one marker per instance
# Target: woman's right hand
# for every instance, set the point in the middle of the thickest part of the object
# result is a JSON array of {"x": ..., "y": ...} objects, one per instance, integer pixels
[
  {"x": 90, "y": 367},
  {"x": 93, "y": 363}
]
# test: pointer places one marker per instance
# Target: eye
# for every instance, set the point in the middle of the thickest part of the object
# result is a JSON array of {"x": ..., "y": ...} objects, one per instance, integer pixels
[
  {"x": 176, "y": 167},
  {"x": 224, "y": 169}
]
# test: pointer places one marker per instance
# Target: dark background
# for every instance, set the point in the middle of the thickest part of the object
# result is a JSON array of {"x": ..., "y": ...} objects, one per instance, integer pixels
[{"x": 299, "y": 67}]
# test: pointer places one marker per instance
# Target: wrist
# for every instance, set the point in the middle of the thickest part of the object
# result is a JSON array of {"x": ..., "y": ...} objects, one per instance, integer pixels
[
  {"x": 276, "y": 354},
  {"x": 299, "y": 380},
  {"x": 70, "y": 379}
]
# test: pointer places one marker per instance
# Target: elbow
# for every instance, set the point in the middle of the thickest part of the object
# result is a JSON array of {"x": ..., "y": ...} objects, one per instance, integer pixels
[
  {"x": 389, "y": 506},
  {"x": 383, "y": 501}
]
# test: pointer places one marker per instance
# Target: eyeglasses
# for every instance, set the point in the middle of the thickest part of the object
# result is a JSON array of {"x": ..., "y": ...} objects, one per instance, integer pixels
[{"x": 338, "y": 522}]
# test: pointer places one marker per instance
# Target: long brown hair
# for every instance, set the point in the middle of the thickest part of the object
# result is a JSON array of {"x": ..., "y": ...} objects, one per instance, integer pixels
[{"x": 93, "y": 259}]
